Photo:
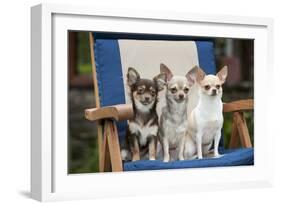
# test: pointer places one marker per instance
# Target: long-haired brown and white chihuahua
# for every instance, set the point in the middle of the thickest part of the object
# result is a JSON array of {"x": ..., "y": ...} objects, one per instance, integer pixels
[{"x": 141, "y": 136}]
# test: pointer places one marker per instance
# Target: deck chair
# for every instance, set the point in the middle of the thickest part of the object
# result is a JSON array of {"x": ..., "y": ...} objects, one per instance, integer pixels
[{"x": 112, "y": 54}]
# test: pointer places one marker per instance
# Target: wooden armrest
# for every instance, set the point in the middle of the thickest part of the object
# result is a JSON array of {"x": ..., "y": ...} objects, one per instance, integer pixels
[
  {"x": 125, "y": 111},
  {"x": 247, "y": 104},
  {"x": 117, "y": 112}
]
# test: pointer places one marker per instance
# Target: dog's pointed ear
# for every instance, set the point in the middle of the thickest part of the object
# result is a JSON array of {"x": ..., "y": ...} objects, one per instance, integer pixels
[
  {"x": 132, "y": 76},
  {"x": 165, "y": 70},
  {"x": 160, "y": 80},
  {"x": 191, "y": 75},
  {"x": 222, "y": 74},
  {"x": 200, "y": 75}
]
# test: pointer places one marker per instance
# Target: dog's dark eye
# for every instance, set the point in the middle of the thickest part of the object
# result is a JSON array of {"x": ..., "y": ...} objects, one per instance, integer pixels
[
  {"x": 185, "y": 90},
  {"x": 140, "y": 91},
  {"x": 218, "y": 86},
  {"x": 207, "y": 87},
  {"x": 152, "y": 92},
  {"x": 173, "y": 90}
]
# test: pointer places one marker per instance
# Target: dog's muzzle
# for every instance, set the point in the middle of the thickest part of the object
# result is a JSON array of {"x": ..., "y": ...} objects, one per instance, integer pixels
[{"x": 214, "y": 92}]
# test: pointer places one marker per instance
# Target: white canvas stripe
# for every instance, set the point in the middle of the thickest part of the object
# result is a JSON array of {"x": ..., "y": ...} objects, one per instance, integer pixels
[{"x": 146, "y": 55}]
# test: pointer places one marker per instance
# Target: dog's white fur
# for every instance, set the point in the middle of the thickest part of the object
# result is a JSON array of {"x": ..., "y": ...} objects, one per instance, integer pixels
[
  {"x": 173, "y": 121},
  {"x": 206, "y": 119},
  {"x": 143, "y": 108},
  {"x": 144, "y": 131}
]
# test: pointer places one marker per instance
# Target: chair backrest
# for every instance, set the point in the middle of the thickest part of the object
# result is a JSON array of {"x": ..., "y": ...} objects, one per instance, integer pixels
[{"x": 114, "y": 53}]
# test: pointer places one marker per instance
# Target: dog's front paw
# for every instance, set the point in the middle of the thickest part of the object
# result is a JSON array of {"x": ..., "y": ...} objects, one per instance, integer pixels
[
  {"x": 166, "y": 159},
  {"x": 217, "y": 155},
  {"x": 136, "y": 157},
  {"x": 152, "y": 158},
  {"x": 199, "y": 154},
  {"x": 181, "y": 158}
]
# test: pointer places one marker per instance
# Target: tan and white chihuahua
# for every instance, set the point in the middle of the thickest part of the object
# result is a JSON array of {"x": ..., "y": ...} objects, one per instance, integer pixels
[
  {"x": 173, "y": 121},
  {"x": 206, "y": 120}
]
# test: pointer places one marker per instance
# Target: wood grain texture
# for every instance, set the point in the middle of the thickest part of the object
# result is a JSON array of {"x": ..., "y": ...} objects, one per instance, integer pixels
[
  {"x": 243, "y": 130},
  {"x": 97, "y": 100},
  {"x": 234, "y": 139},
  {"x": 240, "y": 105},
  {"x": 114, "y": 147},
  {"x": 105, "y": 165},
  {"x": 94, "y": 71},
  {"x": 117, "y": 112}
]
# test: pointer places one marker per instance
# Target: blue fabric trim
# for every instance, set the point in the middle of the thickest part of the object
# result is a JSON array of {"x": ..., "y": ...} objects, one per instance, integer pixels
[
  {"x": 110, "y": 77},
  {"x": 115, "y": 35},
  {"x": 236, "y": 157},
  {"x": 206, "y": 56}
]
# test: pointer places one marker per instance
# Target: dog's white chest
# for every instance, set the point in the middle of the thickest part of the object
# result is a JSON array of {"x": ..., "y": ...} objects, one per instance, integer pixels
[
  {"x": 143, "y": 131},
  {"x": 210, "y": 129}
]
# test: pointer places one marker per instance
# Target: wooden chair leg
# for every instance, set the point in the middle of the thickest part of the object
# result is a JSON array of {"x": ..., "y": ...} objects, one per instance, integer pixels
[
  {"x": 105, "y": 165},
  {"x": 114, "y": 147},
  {"x": 100, "y": 146},
  {"x": 243, "y": 130},
  {"x": 234, "y": 139}
]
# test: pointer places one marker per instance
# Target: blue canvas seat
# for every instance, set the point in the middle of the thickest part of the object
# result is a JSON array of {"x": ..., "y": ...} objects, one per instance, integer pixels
[
  {"x": 111, "y": 58},
  {"x": 231, "y": 157}
]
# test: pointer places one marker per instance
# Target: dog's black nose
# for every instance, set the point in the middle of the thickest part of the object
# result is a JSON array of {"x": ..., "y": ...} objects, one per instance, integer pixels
[
  {"x": 214, "y": 92},
  {"x": 147, "y": 99},
  {"x": 181, "y": 96}
]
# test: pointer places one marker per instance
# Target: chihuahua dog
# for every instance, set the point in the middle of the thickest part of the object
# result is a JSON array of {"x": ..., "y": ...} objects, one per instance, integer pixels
[
  {"x": 143, "y": 128},
  {"x": 173, "y": 121},
  {"x": 206, "y": 119}
]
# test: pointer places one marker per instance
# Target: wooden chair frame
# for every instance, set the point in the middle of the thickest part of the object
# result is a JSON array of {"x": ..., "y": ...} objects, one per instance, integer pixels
[{"x": 108, "y": 141}]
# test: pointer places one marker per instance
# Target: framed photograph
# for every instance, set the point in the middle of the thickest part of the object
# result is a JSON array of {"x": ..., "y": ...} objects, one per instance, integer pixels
[{"x": 137, "y": 102}]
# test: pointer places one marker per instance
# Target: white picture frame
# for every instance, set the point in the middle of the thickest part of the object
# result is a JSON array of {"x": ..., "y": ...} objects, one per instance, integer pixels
[{"x": 49, "y": 178}]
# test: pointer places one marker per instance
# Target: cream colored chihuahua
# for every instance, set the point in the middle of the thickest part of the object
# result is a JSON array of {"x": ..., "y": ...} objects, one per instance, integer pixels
[{"x": 206, "y": 119}]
